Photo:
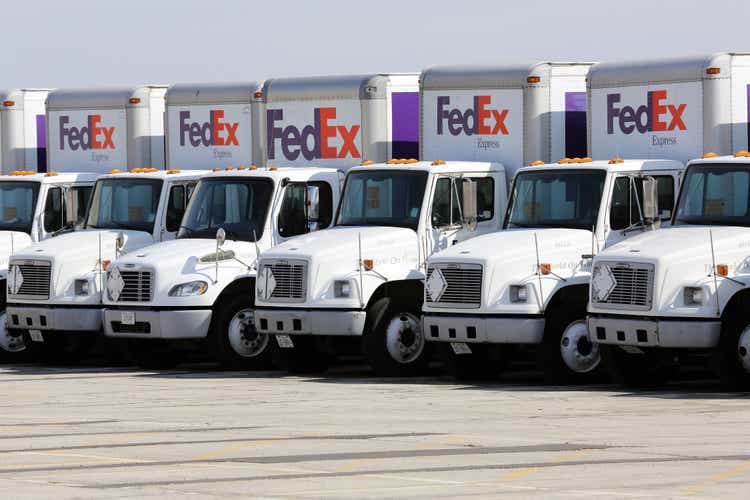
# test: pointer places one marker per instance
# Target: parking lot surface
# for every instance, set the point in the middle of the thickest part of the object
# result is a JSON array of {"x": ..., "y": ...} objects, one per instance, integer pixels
[{"x": 93, "y": 432}]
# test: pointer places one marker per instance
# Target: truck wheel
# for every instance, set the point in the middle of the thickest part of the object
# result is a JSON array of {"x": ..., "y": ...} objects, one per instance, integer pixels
[
  {"x": 567, "y": 356},
  {"x": 153, "y": 354},
  {"x": 60, "y": 348},
  {"x": 734, "y": 354},
  {"x": 12, "y": 347},
  {"x": 304, "y": 357},
  {"x": 237, "y": 344},
  {"x": 477, "y": 365},
  {"x": 395, "y": 345},
  {"x": 645, "y": 370}
]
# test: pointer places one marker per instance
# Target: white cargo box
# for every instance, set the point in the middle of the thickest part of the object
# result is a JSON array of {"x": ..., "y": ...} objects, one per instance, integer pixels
[
  {"x": 676, "y": 108},
  {"x": 505, "y": 114},
  {"x": 340, "y": 121},
  {"x": 96, "y": 130},
  {"x": 23, "y": 130},
  {"x": 214, "y": 125}
]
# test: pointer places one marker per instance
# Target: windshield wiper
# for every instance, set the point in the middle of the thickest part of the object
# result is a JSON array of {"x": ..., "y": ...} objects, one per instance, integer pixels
[{"x": 64, "y": 229}]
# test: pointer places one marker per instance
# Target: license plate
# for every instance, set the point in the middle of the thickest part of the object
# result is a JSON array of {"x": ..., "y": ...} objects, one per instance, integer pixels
[
  {"x": 36, "y": 335},
  {"x": 284, "y": 341},
  {"x": 461, "y": 348},
  {"x": 127, "y": 317}
]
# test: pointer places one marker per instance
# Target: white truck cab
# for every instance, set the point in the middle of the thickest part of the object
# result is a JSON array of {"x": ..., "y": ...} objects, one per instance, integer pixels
[
  {"x": 200, "y": 286},
  {"x": 34, "y": 207},
  {"x": 683, "y": 290},
  {"x": 362, "y": 278},
  {"x": 528, "y": 285},
  {"x": 55, "y": 286}
]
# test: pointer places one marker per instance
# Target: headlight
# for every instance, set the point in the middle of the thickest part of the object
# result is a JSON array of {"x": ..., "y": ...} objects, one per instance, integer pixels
[
  {"x": 81, "y": 287},
  {"x": 693, "y": 295},
  {"x": 518, "y": 293},
  {"x": 342, "y": 288},
  {"x": 189, "y": 289}
]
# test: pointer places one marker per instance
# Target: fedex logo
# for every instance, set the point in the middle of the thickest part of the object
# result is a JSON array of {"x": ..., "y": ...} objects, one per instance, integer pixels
[
  {"x": 294, "y": 141},
  {"x": 478, "y": 120},
  {"x": 214, "y": 132},
  {"x": 90, "y": 136},
  {"x": 654, "y": 116}
]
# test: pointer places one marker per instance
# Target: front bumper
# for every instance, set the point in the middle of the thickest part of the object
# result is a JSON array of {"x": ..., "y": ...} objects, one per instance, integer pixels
[
  {"x": 484, "y": 329},
  {"x": 656, "y": 332},
  {"x": 157, "y": 324},
  {"x": 310, "y": 322},
  {"x": 71, "y": 319}
]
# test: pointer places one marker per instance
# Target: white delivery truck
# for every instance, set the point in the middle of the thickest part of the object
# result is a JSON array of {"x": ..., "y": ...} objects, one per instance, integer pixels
[
  {"x": 340, "y": 121},
  {"x": 199, "y": 288},
  {"x": 394, "y": 216},
  {"x": 54, "y": 286},
  {"x": 23, "y": 130},
  {"x": 683, "y": 291}
]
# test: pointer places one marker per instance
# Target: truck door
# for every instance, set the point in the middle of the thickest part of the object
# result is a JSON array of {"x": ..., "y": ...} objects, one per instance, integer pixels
[{"x": 179, "y": 195}]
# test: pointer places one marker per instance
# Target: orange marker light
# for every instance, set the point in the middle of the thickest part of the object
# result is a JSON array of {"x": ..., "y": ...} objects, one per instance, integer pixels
[
  {"x": 710, "y": 154},
  {"x": 713, "y": 71},
  {"x": 367, "y": 162},
  {"x": 722, "y": 269},
  {"x": 536, "y": 163},
  {"x": 134, "y": 100},
  {"x": 258, "y": 95},
  {"x": 545, "y": 269},
  {"x": 9, "y": 104},
  {"x": 534, "y": 79},
  {"x": 368, "y": 264},
  {"x": 105, "y": 264}
]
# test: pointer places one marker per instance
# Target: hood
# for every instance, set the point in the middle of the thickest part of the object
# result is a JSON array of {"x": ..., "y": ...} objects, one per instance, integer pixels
[{"x": 11, "y": 242}]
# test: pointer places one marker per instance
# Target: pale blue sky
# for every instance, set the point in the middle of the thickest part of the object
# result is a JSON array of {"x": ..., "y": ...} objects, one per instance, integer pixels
[{"x": 57, "y": 43}]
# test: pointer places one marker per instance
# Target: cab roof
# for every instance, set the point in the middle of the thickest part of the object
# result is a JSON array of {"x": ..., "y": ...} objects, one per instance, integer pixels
[
  {"x": 613, "y": 165},
  {"x": 738, "y": 157},
  {"x": 49, "y": 177},
  {"x": 149, "y": 173},
  {"x": 276, "y": 173},
  {"x": 436, "y": 166}
]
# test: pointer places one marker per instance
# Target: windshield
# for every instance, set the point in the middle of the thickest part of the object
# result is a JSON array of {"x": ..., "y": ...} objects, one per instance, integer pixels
[
  {"x": 125, "y": 204},
  {"x": 560, "y": 198},
  {"x": 237, "y": 206},
  {"x": 716, "y": 195},
  {"x": 17, "y": 204},
  {"x": 382, "y": 198}
]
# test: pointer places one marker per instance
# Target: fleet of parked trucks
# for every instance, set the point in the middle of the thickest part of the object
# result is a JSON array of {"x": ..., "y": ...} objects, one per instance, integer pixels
[{"x": 479, "y": 214}]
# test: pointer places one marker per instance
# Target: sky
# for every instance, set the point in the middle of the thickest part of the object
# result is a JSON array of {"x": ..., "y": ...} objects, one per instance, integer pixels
[{"x": 73, "y": 43}]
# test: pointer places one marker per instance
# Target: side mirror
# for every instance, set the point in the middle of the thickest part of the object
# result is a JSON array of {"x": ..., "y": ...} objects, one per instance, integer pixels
[
  {"x": 650, "y": 202},
  {"x": 221, "y": 236},
  {"x": 469, "y": 204},
  {"x": 120, "y": 241},
  {"x": 71, "y": 209},
  {"x": 312, "y": 207}
]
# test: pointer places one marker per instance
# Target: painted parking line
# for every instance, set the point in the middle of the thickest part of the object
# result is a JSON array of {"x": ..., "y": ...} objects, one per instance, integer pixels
[
  {"x": 717, "y": 478},
  {"x": 531, "y": 470}
]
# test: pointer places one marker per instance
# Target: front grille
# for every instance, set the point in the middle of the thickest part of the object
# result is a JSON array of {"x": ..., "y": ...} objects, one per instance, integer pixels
[
  {"x": 137, "y": 287},
  {"x": 464, "y": 285},
  {"x": 633, "y": 288},
  {"x": 36, "y": 279},
  {"x": 290, "y": 277}
]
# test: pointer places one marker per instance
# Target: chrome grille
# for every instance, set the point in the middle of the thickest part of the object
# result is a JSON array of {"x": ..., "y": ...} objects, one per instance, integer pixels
[
  {"x": 290, "y": 277},
  {"x": 137, "y": 287},
  {"x": 634, "y": 286},
  {"x": 464, "y": 285},
  {"x": 36, "y": 279}
]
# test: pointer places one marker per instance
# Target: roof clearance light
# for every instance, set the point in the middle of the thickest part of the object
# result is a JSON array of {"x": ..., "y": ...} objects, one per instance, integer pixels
[
  {"x": 51, "y": 173},
  {"x": 742, "y": 154},
  {"x": 586, "y": 159},
  {"x": 9, "y": 104},
  {"x": 392, "y": 161},
  {"x": 114, "y": 171},
  {"x": 533, "y": 79},
  {"x": 367, "y": 162},
  {"x": 229, "y": 168},
  {"x": 368, "y": 264},
  {"x": 545, "y": 269},
  {"x": 713, "y": 71},
  {"x": 536, "y": 163},
  {"x": 134, "y": 100},
  {"x": 258, "y": 95},
  {"x": 411, "y": 160},
  {"x": 615, "y": 160},
  {"x": 253, "y": 167},
  {"x": 273, "y": 168},
  {"x": 438, "y": 162},
  {"x": 564, "y": 161},
  {"x": 722, "y": 269},
  {"x": 173, "y": 171},
  {"x": 216, "y": 169},
  {"x": 242, "y": 167},
  {"x": 710, "y": 154}
]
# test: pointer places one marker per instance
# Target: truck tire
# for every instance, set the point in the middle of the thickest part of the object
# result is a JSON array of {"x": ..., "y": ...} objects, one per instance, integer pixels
[
  {"x": 153, "y": 354},
  {"x": 639, "y": 371},
  {"x": 478, "y": 365},
  {"x": 67, "y": 348},
  {"x": 237, "y": 345},
  {"x": 733, "y": 352},
  {"x": 303, "y": 358},
  {"x": 567, "y": 356},
  {"x": 395, "y": 344},
  {"x": 12, "y": 346}
]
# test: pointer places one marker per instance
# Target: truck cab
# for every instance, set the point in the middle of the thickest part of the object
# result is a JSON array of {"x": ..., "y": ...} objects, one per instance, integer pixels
[
  {"x": 34, "y": 207},
  {"x": 527, "y": 286},
  {"x": 55, "y": 286},
  {"x": 362, "y": 279},
  {"x": 199, "y": 287},
  {"x": 683, "y": 291}
]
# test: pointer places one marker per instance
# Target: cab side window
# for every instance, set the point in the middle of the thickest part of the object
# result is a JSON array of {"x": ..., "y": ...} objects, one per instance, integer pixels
[
  {"x": 176, "y": 207},
  {"x": 626, "y": 197},
  {"x": 53, "y": 210},
  {"x": 292, "y": 220},
  {"x": 446, "y": 204},
  {"x": 81, "y": 194}
]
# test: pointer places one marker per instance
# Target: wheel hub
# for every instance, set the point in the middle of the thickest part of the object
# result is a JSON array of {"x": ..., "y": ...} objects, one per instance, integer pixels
[
  {"x": 743, "y": 346},
  {"x": 404, "y": 339},
  {"x": 9, "y": 342},
  {"x": 243, "y": 337},
  {"x": 577, "y": 351}
]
